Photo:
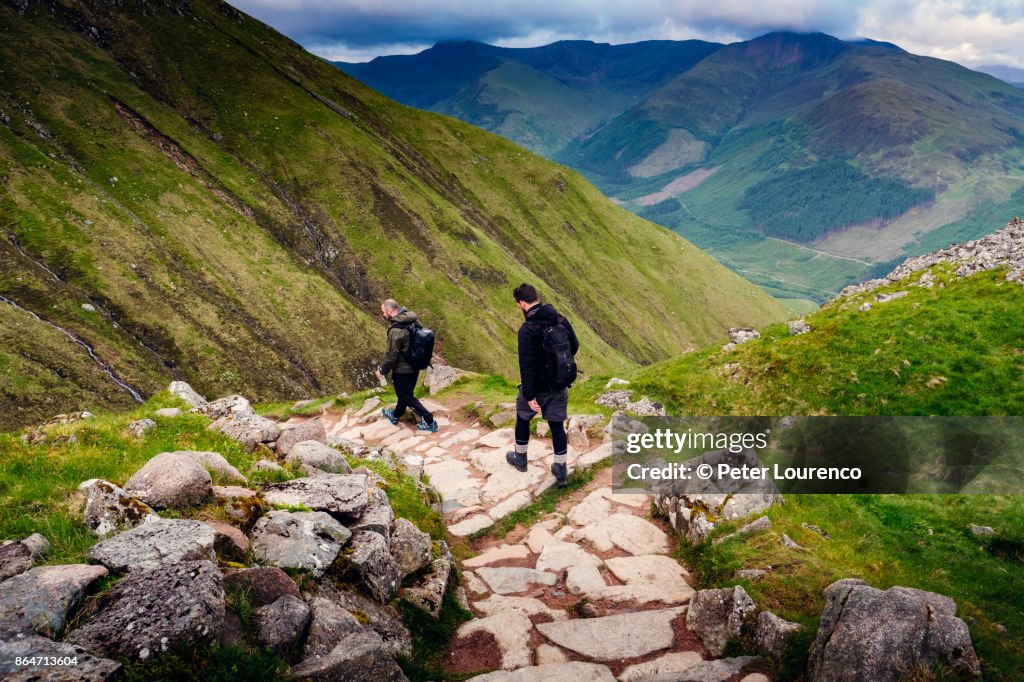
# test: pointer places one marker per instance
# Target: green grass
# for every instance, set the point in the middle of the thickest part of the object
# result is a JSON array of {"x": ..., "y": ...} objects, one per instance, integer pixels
[
  {"x": 919, "y": 541},
  {"x": 39, "y": 482},
  {"x": 407, "y": 500}
]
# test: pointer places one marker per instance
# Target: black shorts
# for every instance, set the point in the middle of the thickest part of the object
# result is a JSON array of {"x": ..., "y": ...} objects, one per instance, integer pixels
[{"x": 554, "y": 406}]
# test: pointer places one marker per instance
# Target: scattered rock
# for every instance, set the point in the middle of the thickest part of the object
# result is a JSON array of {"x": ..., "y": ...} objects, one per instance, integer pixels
[
  {"x": 231, "y": 405},
  {"x": 262, "y": 584},
  {"x": 281, "y": 625},
  {"x": 15, "y": 558},
  {"x": 241, "y": 504},
  {"x": 358, "y": 657},
  {"x": 984, "y": 531},
  {"x": 170, "y": 480},
  {"x": 312, "y": 429},
  {"x": 220, "y": 469},
  {"x": 864, "y": 307},
  {"x": 758, "y": 525},
  {"x": 410, "y": 548},
  {"x": 228, "y": 541},
  {"x": 378, "y": 515},
  {"x": 789, "y": 543},
  {"x": 141, "y": 427},
  {"x": 268, "y": 466},
  {"x": 371, "y": 566},
  {"x": 439, "y": 377},
  {"x": 109, "y": 509},
  {"x": 334, "y": 493},
  {"x": 382, "y": 619},
  {"x": 868, "y": 634},
  {"x": 88, "y": 668},
  {"x": 247, "y": 428},
  {"x": 771, "y": 633},
  {"x": 611, "y": 638},
  {"x": 186, "y": 393},
  {"x": 616, "y": 381},
  {"x": 163, "y": 541},
  {"x": 715, "y": 616},
  {"x": 117, "y": 630},
  {"x": 577, "y": 429},
  {"x": 312, "y": 456},
  {"x": 797, "y": 327},
  {"x": 750, "y": 574},
  {"x": 328, "y": 623},
  {"x": 308, "y": 540},
  {"x": 41, "y": 599},
  {"x": 884, "y": 298},
  {"x": 739, "y": 335},
  {"x": 168, "y": 412},
  {"x": 429, "y": 593}
]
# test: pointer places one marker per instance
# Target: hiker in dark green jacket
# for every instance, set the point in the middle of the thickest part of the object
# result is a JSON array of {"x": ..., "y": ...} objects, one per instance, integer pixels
[{"x": 403, "y": 375}]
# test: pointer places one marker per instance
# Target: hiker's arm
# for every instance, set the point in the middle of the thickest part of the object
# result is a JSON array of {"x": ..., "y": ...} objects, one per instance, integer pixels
[
  {"x": 391, "y": 357},
  {"x": 527, "y": 364}
]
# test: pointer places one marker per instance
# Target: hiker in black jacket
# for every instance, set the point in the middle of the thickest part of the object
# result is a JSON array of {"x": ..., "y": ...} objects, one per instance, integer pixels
[
  {"x": 536, "y": 390},
  {"x": 403, "y": 375}
]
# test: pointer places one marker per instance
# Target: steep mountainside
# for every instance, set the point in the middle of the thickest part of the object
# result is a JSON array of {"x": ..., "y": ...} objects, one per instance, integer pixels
[
  {"x": 187, "y": 193},
  {"x": 806, "y": 162},
  {"x": 542, "y": 97}
]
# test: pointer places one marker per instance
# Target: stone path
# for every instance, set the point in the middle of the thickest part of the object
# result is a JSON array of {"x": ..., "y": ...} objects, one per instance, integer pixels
[{"x": 587, "y": 593}]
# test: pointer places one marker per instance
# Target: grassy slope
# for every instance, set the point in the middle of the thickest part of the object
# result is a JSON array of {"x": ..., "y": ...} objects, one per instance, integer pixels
[
  {"x": 878, "y": 362},
  {"x": 242, "y": 221}
]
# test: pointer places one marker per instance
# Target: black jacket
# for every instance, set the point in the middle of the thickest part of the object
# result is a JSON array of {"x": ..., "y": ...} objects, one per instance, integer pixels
[
  {"x": 533, "y": 373},
  {"x": 398, "y": 344}
]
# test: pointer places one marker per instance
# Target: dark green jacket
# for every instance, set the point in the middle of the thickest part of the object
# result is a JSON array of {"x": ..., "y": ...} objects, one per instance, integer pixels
[{"x": 398, "y": 344}]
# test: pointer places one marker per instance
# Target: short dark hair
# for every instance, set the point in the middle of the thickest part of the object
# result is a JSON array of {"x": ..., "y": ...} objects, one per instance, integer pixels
[{"x": 526, "y": 292}]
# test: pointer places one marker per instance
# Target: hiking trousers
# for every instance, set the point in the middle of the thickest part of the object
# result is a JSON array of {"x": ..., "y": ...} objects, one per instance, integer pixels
[{"x": 405, "y": 385}]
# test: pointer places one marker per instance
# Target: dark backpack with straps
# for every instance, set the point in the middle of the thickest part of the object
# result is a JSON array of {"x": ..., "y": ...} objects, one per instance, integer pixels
[
  {"x": 558, "y": 358},
  {"x": 421, "y": 345}
]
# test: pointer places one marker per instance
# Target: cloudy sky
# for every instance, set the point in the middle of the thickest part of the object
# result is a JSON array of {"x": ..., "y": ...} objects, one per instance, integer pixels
[{"x": 972, "y": 32}]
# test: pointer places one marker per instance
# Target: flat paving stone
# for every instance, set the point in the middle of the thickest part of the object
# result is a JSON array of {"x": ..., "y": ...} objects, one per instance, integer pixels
[
  {"x": 592, "y": 509},
  {"x": 497, "y": 439},
  {"x": 627, "y": 532},
  {"x": 675, "y": 662},
  {"x": 574, "y": 671},
  {"x": 610, "y": 638},
  {"x": 511, "y": 632},
  {"x": 500, "y": 553},
  {"x": 558, "y": 556},
  {"x": 527, "y": 606},
  {"x": 513, "y": 580},
  {"x": 510, "y": 505},
  {"x": 471, "y": 525},
  {"x": 503, "y": 482}
]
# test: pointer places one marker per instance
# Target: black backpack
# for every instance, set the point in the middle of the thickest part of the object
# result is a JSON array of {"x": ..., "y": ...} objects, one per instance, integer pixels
[
  {"x": 421, "y": 346},
  {"x": 558, "y": 359}
]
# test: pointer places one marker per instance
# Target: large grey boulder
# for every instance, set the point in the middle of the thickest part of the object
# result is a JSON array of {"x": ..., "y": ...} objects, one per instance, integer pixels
[
  {"x": 171, "y": 480},
  {"x": 164, "y": 541},
  {"x": 313, "y": 456},
  {"x": 281, "y": 625},
  {"x": 343, "y": 494},
  {"x": 716, "y": 616},
  {"x": 439, "y": 377},
  {"x": 292, "y": 435},
  {"x": 230, "y": 405},
  {"x": 241, "y": 504},
  {"x": 186, "y": 393},
  {"x": 308, "y": 540},
  {"x": 247, "y": 428},
  {"x": 410, "y": 547},
  {"x": 719, "y": 670},
  {"x": 358, "y": 657},
  {"x": 41, "y": 599},
  {"x": 141, "y": 427},
  {"x": 369, "y": 565},
  {"x": 868, "y": 634},
  {"x": 87, "y": 668},
  {"x": 221, "y": 470},
  {"x": 110, "y": 509},
  {"x": 771, "y": 633},
  {"x": 378, "y": 515},
  {"x": 153, "y": 611},
  {"x": 328, "y": 625}
]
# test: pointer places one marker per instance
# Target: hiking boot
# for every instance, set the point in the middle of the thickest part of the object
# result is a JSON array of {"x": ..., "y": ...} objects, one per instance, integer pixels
[
  {"x": 560, "y": 473},
  {"x": 389, "y": 414},
  {"x": 424, "y": 426},
  {"x": 517, "y": 460}
]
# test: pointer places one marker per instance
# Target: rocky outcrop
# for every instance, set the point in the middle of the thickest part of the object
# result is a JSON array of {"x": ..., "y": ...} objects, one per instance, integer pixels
[
  {"x": 369, "y": 564},
  {"x": 49, "y": 656},
  {"x": 358, "y": 657},
  {"x": 247, "y": 428},
  {"x": 410, "y": 548},
  {"x": 439, "y": 377},
  {"x": 771, "y": 633},
  {"x": 313, "y": 457},
  {"x": 339, "y": 494},
  {"x": 282, "y": 624},
  {"x": 311, "y": 430},
  {"x": 136, "y": 620},
  {"x": 182, "y": 390},
  {"x": 868, "y": 634}
]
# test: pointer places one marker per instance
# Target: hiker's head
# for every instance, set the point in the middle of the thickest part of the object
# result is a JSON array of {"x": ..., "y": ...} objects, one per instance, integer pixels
[
  {"x": 389, "y": 308},
  {"x": 526, "y": 296}
]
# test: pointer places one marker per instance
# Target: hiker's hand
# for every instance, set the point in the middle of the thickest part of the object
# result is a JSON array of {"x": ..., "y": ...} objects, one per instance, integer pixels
[
  {"x": 534, "y": 405},
  {"x": 379, "y": 375}
]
